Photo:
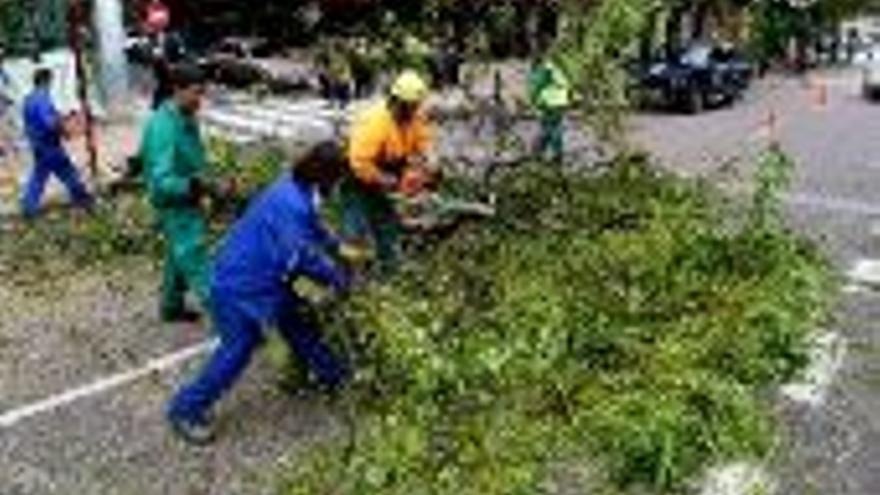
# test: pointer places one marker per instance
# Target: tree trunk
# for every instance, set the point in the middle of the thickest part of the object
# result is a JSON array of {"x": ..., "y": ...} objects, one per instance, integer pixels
[
  {"x": 701, "y": 19},
  {"x": 76, "y": 23},
  {"x": 674, "y": 24}
]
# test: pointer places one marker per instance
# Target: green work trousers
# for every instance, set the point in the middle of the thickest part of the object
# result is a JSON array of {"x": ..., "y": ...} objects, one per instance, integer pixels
[
  {"x": 186, "y": 259},
  {"x": 370, "y": 216},
  {"x": 552, "y": 137}
]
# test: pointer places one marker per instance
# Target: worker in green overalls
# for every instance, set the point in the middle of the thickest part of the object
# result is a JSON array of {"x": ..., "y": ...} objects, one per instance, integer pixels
[
  {"x": 173, "y": 157},
  {"x": 550, "y": 93}
]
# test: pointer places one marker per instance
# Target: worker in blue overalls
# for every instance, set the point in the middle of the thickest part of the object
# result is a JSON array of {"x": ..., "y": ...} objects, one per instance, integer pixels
[
  {"x": 279, "y": 239},
  {"x": 44, "y": 127}
]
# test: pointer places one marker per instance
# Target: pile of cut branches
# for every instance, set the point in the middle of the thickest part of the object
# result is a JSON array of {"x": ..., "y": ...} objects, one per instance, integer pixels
[{"x": 619, "y": 324}]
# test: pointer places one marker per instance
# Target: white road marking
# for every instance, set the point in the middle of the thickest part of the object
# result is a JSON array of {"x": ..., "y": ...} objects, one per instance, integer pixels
[
  {"x": 826, "y": 359},
  {"x": 824, "y": 202},
  {"x": 834, "y": 204},
  {"x": 10, "y": 418},
  {"x": 865, "y": 273},
  {"x": 740, "y": 478},
  {"x": 854, "y": 289},
  {"x": 745, "y": 478}
]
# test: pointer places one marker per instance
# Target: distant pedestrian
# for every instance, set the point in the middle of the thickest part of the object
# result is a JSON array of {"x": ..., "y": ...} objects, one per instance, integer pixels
[
  {"x": 550, "y": 93},
  {"x": 167, "y": 51},
  {"x": 338, "y": 75},
  {"x": 445, "y": 65},
  {"x": 363, "y": 69},
  {"x": 852, "y": 45},
  {"x": 45, "y": 129}
]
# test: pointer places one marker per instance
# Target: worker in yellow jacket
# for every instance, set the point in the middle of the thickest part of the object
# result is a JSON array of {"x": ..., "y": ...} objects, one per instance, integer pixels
[
  {"x": 550, "y": 92},
  {"x": 389, "y": 141}
]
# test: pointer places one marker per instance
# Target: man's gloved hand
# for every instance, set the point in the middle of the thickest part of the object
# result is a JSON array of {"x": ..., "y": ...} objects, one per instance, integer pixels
[
  {"x": 355, "y": 254},
  {"x": 226, "y": 189},
  {"x": 413, "y": 182},
  {"x": 197, "y": 191}
]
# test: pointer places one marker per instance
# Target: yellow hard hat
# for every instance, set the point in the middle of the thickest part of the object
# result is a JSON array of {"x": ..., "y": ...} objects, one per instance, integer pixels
[{"x": 410, "y": 87}]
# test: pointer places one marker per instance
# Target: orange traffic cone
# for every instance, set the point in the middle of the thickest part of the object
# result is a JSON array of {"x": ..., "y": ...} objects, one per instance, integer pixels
[
  {"x": 770, "y": 126},
  {"x": 818, "y": 93}
]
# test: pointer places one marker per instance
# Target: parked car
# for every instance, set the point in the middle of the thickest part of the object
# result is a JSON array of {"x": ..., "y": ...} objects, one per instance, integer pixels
[
  {"x": 869, "y": 60},
  {"x": 696, "y": 78},
  {"x": 245, "y": 62}
]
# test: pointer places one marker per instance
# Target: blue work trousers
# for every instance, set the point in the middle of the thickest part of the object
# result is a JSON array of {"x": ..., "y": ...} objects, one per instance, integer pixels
[
  {"x": 240, "y": 335},
  {"x": 46, "y": 164}
]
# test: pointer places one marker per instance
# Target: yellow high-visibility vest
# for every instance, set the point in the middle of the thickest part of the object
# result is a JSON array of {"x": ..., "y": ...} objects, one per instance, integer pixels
[{"x": 557, "y": 94}]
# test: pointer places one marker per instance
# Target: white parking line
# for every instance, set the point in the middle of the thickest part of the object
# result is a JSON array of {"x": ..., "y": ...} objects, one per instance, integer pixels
[
  {"x": 854, "y": 289},
  {"x": 865, "y": 273},
  {"x": 10, "y": 418},
  {"x": 739, "y": 478},
  {"x": 821, "y": 201},
  {"x": 826, "y": 359},
  {"x": 834, "y": 204}
]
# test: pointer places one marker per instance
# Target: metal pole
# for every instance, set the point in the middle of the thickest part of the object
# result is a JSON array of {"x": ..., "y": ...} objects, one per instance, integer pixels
[
  {"x": 76, "y": 23},
  {"x": 107, "y": 19}
]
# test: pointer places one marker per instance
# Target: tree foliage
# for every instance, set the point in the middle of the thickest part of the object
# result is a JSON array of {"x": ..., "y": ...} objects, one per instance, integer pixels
[
  {"x": 615, "y": 325},
  {"x": 29, "y": 25},
  {"x": 590, "y": 49}
]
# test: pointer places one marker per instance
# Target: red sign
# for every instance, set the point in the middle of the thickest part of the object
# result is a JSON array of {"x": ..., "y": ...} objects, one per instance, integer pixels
[{"x": 158, "y": 17}]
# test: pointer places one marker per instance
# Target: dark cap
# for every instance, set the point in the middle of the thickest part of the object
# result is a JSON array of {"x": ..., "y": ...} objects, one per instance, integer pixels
[
  {"x": 186, "y": 75},
  {"x": 42, "y": 76},
  {"x": 324, "y": 163}
]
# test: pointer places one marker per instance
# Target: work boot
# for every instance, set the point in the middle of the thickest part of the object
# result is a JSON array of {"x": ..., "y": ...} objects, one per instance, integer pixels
[
  {"x": 197, "y": 433},
  {"x": 182, "y": 316}
]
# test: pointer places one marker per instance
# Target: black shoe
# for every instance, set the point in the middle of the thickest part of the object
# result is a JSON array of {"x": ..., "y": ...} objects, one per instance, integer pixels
[
  {"x": 185, "y": 316},
  {"x": 197, "y": 433}
]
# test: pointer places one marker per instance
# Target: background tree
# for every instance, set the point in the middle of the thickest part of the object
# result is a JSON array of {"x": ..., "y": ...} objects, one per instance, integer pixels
[{"x": 31, "y": 26}]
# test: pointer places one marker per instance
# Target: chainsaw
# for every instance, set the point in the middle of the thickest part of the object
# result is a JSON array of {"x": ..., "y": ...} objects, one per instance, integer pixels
[{"x": 432, "y": 210}]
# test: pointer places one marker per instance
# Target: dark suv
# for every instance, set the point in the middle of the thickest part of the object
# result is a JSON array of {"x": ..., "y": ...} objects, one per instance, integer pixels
[{"x": 696, "y": 78}]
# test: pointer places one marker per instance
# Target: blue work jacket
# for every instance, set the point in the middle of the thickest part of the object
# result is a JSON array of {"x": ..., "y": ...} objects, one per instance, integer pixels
[
  {"x": 279, "y": 238},
  {"x": 42, "y": 124}
]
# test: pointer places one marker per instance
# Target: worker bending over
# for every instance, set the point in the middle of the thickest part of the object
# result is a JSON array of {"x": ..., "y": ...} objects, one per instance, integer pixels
[
  {"x": 389, "y": 141},
  {"x": 279, "y": 239}
]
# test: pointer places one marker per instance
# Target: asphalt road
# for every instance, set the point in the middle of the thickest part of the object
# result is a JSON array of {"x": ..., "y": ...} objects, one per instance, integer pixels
[
  {"x": 72, "y": 331},
  {"x": 78, "y": 330},
  {"x": 833, "y": 447}
]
